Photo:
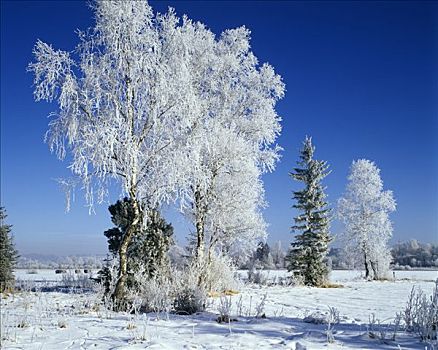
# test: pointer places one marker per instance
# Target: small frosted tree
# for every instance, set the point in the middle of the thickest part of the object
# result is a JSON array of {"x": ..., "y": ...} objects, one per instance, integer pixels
[
  {"x": 309, "y": 250},
  {"x": 8, "y": 254},
  {"x": 278, "y": 255},
  {"x": 364, "y": 210}
]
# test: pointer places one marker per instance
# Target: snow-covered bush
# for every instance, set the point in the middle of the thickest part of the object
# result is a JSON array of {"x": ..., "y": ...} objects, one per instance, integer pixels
[
  {"x": 189, "y": 300},
  {"x": 77, "y": 281},
  {"x": 218, "y": 275},
  {"x": 194, "y": 282},
  {"x": 224, "y": 309},
  {"x": 154, "y": 293},
  {"x": 296, "y": 279},
  {"x": 190, "y": 293},
  {"x": 331, "y": 320},
  {"x": 257, "y": 276},
  {"x": 421, "y": 313},
  {"x": 170, "y": 289},
  {"x": 260, "y": 307}
]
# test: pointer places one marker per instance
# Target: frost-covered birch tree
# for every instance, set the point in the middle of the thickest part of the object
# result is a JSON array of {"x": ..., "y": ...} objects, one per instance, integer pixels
[
  {"x": 310, "y": 247},
  {"x": 364, "y": 210},
  {"x": 233, "y": 144},
  {"x": 124, "y": 99}
]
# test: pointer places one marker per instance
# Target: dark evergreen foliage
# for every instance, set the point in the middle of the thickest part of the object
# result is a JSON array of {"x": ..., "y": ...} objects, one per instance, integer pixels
[
  {"x": 8, "y": 254},
  {"x": 149, "y": 246},
  {"x": 262, "y": 252},
  {"x": 309, "y": 250}
]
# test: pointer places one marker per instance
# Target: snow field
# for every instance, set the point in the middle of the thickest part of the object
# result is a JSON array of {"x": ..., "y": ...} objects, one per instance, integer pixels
[{"x": 53, "y": 320}]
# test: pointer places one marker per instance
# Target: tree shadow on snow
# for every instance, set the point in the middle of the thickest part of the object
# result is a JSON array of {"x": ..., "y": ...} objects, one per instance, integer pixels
[{"x": 288, "y": 330}]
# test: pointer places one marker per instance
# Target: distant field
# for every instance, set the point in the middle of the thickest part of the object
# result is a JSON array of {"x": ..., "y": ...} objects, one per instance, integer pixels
[{"x": 335, "y": 276}]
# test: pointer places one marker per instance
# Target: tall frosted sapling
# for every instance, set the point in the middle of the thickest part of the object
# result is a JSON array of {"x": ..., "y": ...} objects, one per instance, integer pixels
[{"x": 364, "y": 209}]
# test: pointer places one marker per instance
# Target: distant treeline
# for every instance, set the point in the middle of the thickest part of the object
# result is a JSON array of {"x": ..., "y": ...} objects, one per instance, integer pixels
[
  {"x": 415, "y": 254},
  {"x": 405, "y": 255},
  {"x": 37, "y": 261},
  {"x": 411, "y": 254}
]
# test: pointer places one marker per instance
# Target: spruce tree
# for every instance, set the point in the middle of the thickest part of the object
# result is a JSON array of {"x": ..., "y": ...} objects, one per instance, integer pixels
[
  {"x": 310, "y": 247},
  {"x": 8, "y": 254}
]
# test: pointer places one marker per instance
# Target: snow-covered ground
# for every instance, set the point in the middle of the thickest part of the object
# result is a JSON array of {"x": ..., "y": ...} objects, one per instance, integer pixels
[{"x": 54, "y": 320}]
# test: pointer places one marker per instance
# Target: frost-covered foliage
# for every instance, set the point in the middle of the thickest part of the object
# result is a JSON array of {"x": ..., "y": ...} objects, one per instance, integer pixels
[
  {"x": 123, "y": 100},
  {"x": 421, "y": 313},
  {"x": 221, "y": 274},
  {"x": 364, "y": 209},
  {"x": 169, "y": 290},
  {"x": 8, "y": 254},
  {"x": 168, "y": 111},
  {"x": 310, "y": 248},
  {"x": 231, "y": 147},
  {"x": 189, "y": 300},
  {"x": 217, "y": 274}
]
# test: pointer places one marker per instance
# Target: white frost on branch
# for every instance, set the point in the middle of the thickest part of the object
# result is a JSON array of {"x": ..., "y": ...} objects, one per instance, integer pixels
[{"x": 125, "y": 98}]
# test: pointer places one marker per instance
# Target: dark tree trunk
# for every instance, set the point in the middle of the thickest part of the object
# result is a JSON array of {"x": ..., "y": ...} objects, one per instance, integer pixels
[
  {"x": 367, "y": 271},
  {"x": 374, "y": 268},
  {"x": 119, "y": 294},
  {"x": 200, "y": 234}
]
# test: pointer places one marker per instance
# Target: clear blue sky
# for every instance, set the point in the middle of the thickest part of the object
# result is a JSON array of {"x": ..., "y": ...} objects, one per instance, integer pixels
[{"x": 361, "y": 78}]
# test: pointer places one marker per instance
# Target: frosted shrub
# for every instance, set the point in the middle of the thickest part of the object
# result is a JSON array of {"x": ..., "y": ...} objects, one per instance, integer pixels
[
  {"x": 421, "y": 313},
  {"x": 189, "y": 300},
  {"x": 331, "y": 320},
  {"x": 170, "y": 289},
  {"x": 189, "y": 295},
  {"x": 296, "y": 279},
  {"x": 257, "y": 277},
  {"x": 71, "y": 280},
  {"x": 224, "y": 309},
  {"x": 260, "y": 307},
  {"x": 154, "y": 294},
  {"x": 220, "y": 274}
]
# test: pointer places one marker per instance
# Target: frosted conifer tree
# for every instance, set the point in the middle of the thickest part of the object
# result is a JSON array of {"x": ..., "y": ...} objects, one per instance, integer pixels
[
  {"x": 365, "y": 209},
  {"x": 8, "y": 254},
  {"x": 310, "y": 248}
]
